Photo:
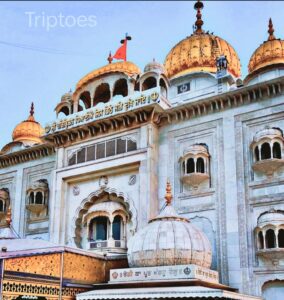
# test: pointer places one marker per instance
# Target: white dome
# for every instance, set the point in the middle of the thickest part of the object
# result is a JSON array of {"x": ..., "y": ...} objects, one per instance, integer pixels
[
  {"x": 169, "y": 240},
  {"x": 270, "y": 133},
  {"x": 272, "y": 217},
  {"x": 154, "y": 66}
]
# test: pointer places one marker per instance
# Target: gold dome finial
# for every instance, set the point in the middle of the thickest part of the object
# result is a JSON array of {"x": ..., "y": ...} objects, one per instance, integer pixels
[
  {"x": 199, "y": 22},
  {"x": 271, "y": 31},
  {"x": 110, "y": 59},
  {"x": 168, "y": 195},
  {"x": 32, "y": 112},
  {"x": 9, "y": 216}
]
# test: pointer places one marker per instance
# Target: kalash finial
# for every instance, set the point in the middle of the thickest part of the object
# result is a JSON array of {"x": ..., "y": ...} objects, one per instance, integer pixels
[
  {"x": 32, "y": 110},
  {"x": 168, "y": 195},
  {"x": 199, "y": 22},
  {"x": 271, "y": 31},
  {"x": 110, "y": 58}
]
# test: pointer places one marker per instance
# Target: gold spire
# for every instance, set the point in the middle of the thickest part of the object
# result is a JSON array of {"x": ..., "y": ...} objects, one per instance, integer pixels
[
  {"x": 32, "y": 111},
  {"x": 271, "y": 31},
  {"x": 199, "y": 22},
  {"x": 168, "y": 195},
  {"x": 110, "y": 59},
  {"x": 9, "y": 216}
]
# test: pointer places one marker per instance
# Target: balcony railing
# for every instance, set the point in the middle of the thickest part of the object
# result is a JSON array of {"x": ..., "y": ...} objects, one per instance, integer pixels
[{"x": 111, "y": 244}]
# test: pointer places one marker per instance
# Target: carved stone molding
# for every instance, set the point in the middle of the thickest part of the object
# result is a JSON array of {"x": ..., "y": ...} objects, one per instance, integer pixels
[
  {"x": 268, "y": 166},
  {"x": 194, "y": 179}
]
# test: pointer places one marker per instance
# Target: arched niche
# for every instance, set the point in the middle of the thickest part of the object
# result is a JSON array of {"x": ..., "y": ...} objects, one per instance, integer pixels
[
  {"x": 149, "y": 83},
  {"x": 102, "y": 93},
  {"x": 85, "y": 100},
  {"x": 120, "y": 88},
  {"x": 102, "y": 198}
]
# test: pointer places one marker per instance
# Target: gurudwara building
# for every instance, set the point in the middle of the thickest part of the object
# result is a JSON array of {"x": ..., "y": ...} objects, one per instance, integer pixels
[{"x": 82, "y": 208}]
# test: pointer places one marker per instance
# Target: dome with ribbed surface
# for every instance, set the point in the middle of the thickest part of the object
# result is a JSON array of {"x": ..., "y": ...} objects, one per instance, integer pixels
[
  {"x": 28, "y": 131},
  {"x": 198, "y": 52},
  {"x": 154, "y": 66},
  {"x": 169, "y": 240},
  {"x": 268, "y": 54}
]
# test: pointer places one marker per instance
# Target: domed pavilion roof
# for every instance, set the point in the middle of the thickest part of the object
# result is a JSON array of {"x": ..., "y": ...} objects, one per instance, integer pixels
[
  {"x": 198, "y": 52},
  {"x": 169, "y": 239}
]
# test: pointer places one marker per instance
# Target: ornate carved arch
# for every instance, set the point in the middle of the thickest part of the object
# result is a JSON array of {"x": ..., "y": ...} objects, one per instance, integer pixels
[{"x": 98, "y": 196}]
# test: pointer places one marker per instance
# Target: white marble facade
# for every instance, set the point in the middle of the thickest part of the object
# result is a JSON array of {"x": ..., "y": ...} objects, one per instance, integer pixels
[{"x": 229, "y": 196}]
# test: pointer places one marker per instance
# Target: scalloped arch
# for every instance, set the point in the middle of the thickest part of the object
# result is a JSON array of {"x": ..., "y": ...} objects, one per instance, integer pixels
[{"x": 121, "y": 197}]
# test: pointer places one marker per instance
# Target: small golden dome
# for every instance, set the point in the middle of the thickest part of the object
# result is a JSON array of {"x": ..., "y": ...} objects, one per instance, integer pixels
[
  {"x": 271, "y": 52},
  {"x": 199, "y": 52},
  {"x": 125, "y": 67},
  {"x": 29, "y": 130}
]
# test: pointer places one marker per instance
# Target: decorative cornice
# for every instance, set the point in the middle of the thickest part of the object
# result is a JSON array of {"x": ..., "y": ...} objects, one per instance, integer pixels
[
  {"x": 29, "y": 154},
  {"x": 161, "y": 117},
  {"x": 221, "y": 102},
  {"x": 131, "y": 119}
]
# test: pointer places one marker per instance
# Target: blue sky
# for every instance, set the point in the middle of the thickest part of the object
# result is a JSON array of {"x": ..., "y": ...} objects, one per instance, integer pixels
[{"x": 27, "y": 75}]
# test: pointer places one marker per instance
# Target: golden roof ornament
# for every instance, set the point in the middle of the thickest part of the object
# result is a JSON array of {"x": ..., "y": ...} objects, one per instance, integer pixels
[
  {"x": 198, "y": 6},
  {"x": 110, "y": 59},
  {"x": 168, "y": 195},
  {"x": 271, "y": 31},
  {"x": 32, "y": 112}
]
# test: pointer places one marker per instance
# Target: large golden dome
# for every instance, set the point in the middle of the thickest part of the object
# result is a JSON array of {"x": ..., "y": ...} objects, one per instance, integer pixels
[
  {"x": 271, "y": 52},
  {"x": 28, "y": 131},
  {"x": 199, "y": 52}
]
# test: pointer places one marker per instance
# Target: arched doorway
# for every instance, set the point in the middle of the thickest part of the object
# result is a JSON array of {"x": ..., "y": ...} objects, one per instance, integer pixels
[{"x": 273, "y": 290}]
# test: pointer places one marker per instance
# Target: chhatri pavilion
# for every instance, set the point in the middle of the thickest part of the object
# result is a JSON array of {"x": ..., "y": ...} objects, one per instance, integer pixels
[{"x": 83, "y": 211}]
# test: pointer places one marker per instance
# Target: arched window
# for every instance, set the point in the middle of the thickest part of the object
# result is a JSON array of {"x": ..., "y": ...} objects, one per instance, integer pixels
[
  {"x": 200, "y": 167},
  {"x": 64, "y": 111},
  {"x": 120, "y": 87},
  {"x": 270, "y": 239},
  {"x": 85, "y": 99},
  {"x": 276, "y": 150},
  {"x": 149, "y": 83},
  {"x": 281, "y": 238},
  {"x": 98, "y": 229},
  {"x": 2, "y": 206},
  {"x": 256, "y": 153},
  {"x": 265, "y": 151},
  {"x": 39, "y": 198},
  {"x": 260, "y": 240},
  {"x": 116, "y": 228},
  {"x": 102, "y": 93},
  {"x": 190, "y": 168},
  {"x": 32, "y": 198},
  {"x": 163, "y": 87}
]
